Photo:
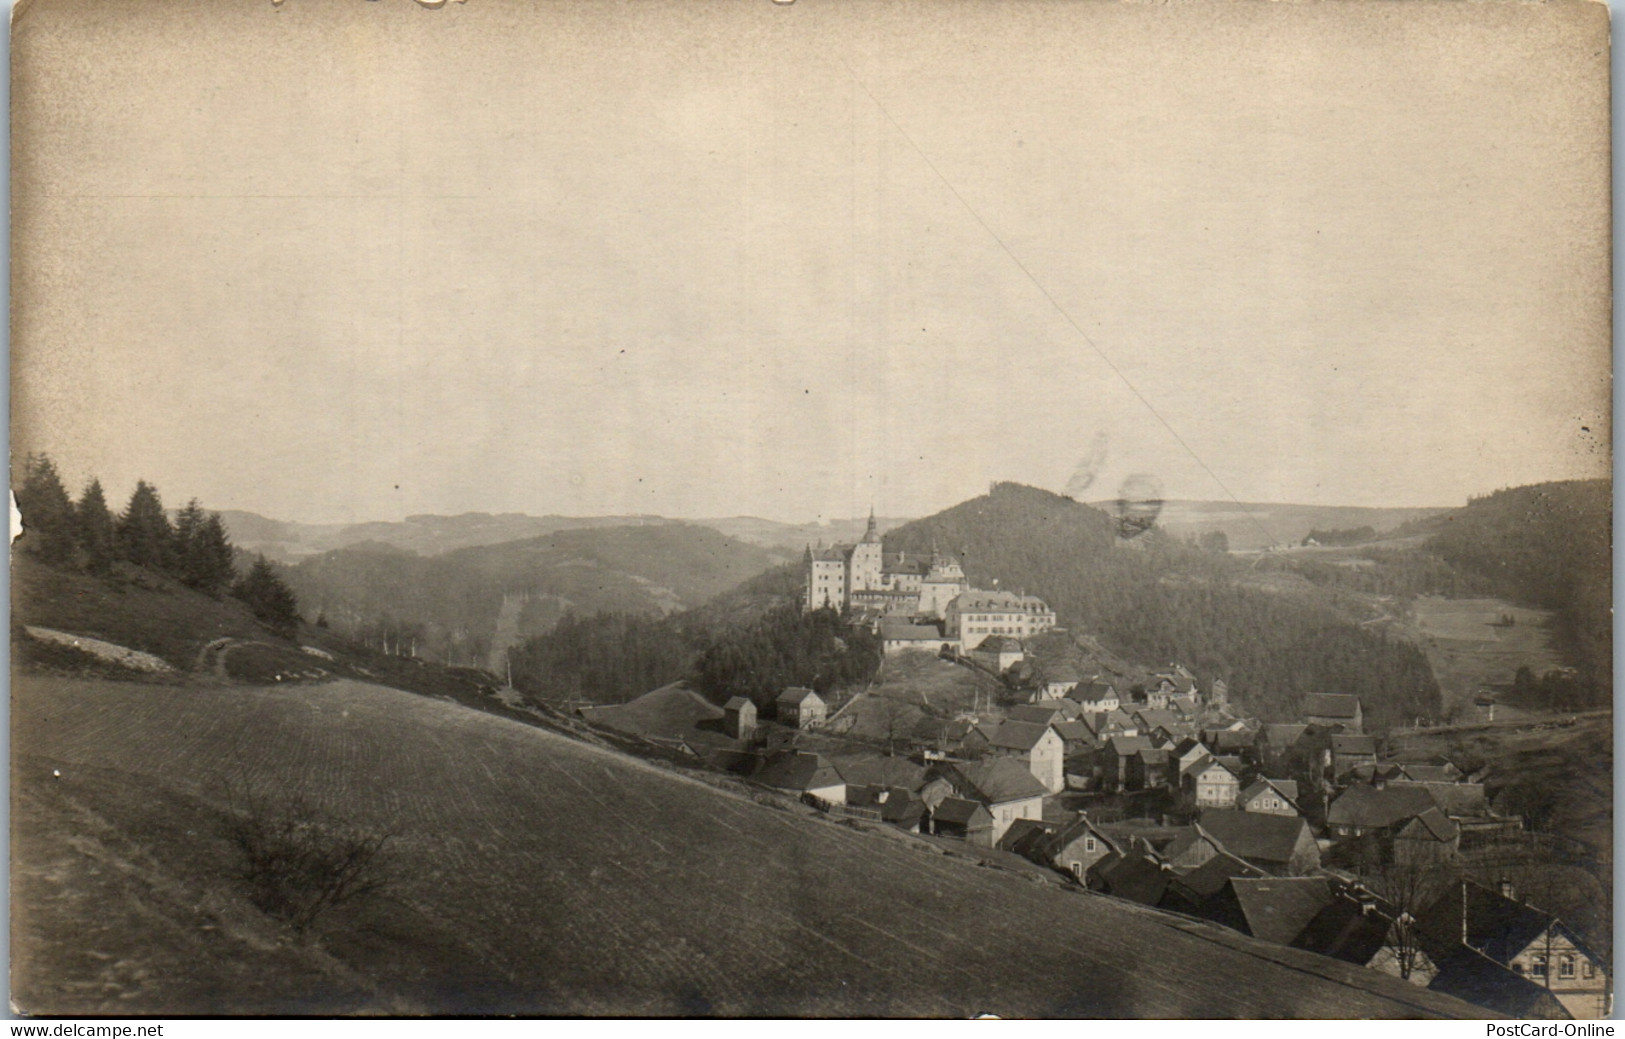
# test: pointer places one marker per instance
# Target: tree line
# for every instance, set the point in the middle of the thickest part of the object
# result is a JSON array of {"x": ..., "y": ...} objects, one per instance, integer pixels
[{"x": 194, "y": 547}]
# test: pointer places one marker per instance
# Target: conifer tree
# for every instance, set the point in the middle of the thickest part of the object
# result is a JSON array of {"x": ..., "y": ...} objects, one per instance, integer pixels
[
  {"x": 271, "y": 600},
  {"x": 216, "y": 564},
  {"x": 144, "y": 534},
  {"x": 94, "y": 527},
  {"x": 48, "y": 526}
]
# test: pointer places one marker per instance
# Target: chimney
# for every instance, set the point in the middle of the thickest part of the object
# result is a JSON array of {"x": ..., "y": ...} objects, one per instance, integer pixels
[{"x": 1508, "y": 892}]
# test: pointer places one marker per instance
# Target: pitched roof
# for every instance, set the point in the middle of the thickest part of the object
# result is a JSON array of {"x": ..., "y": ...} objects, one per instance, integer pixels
[
  {"x": 1351, "y": 743},
  {"x": 1431, "y": 825},
  {"x": 1277, "y": 909},
  {"x": 1128, "y": 746},
  {"x": 879, "y": 770},
  {"x": 1330, "y": 705},
  {"x": 1348, "y": 928},
  {"x": 737, "y": 703},
  {"x": 1287, "y": 788},
  {"x": 1205, "y": 763},
  {"x": 1210, "y": 877},
  {"x": 1014, "y": 735},
  {"x": 999, "y": 602},
  {"x": 1469, "y": 975},
  {"x": 797, "y": 694},
  {"x": 1074, "y": 731},
  {"x": 1369, "y": 808},
  {"x": 900, "y": 628},
  {"x": 1040, "y": 713},
  {"x": 1026, "y": 836},
  {"x": 896, "y": 804},
  {"x": 1283, "y": 736},
  {"x": 1000, "y": 780},
  {"x": 1152, "y": 718},
  {"x": 798, "y": 770},
  {"x": 1093, "y": 692},
  {"x": 1230, "y": 739},
  {"x": 961, "y": 812},
  {"x": 1132, "y": 876},
  {"x": 1498, "y": 926},
  {"x": 1252, "y": 835},
  {"x": 1457, "y": 800},
  {"x": 999, "y": 644}
]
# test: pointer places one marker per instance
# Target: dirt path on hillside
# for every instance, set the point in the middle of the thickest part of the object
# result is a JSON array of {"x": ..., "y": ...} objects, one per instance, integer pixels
[{"x": 507, "y": 634}]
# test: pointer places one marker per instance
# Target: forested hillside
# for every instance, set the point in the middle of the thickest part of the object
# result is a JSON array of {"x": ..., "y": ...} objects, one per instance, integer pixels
[
  {"x": 448, "y": 605},
  {"x": 1159, "y": 601},
  {"x": 1547, "y": 545}
]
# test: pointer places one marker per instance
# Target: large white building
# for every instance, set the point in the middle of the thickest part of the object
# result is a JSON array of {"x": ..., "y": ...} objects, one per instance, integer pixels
[{"x": 978, "y": 615}]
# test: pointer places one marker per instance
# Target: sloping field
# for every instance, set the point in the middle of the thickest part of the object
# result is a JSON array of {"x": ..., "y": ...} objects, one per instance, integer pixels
[{"x": 540, "y": 875}]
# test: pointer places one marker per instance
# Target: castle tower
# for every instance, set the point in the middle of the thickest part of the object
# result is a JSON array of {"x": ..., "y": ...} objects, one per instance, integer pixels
[{"x": 867, "y": 560}]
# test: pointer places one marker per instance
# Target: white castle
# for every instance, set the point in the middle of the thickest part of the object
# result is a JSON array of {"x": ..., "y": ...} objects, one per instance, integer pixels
[{"x": 929, "y": 599}]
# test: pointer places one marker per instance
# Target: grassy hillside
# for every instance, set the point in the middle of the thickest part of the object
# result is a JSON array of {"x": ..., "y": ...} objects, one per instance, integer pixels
[
  {"x": 1255, "y": 525},
  {"x": 290, "y": 542},
  {"x": 539, "y": 875}
]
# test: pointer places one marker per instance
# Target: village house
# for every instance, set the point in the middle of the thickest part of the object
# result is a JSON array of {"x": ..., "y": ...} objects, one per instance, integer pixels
[
  {"x": 1429, "y": 839},
  {"x": 1057, "y": 678},
  {"x": 1380, "y": 809},
  {"x": 739, "y": 718},
  {"x": 1532, "y": 943},
  {"x": 1196, "y": 891},
  {"x": 1278, "y": 845},
  {"x": 800, "y": 708},
  {"x": 1124, "y": 768},
  {"x": 1211, "y": 783},
  {"x": 1006, "y": 788},
  {"x": 1349, "y": 752},
  {"x": 999, "y": 653},
  {"x": 1076, "y": 847},
  {"x": 896, "y": 805},
  {"x": 1271, "y": 796},
  {"x": 1097, "y": 697},
  {"x": 1333, "y": 709},
  {"x": 804, "y": 774},
  {"x": 1038, "y": 747},
  {"x": 964, "y": 819},
  {"x": 899, "y": 634}
]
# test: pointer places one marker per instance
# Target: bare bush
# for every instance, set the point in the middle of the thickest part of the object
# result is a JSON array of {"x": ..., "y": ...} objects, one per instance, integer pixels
[{"x": 297, "y": 865}]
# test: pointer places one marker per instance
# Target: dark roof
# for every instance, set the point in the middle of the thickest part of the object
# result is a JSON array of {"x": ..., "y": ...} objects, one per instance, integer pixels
[
  {"x": 798, "y": 770},
  {"x": 1014, "y": 735},
  {"x": 1228, "y": 739},
  {"x": 795, "y": 695},
  {"x": 1093, "y": 692},
  {"x": 878, "y": 770},
  {"x": 998, "y": 780},
  {"x": 960, "y": 812},
  {"x": 1152, "y": 718},
  {"x": 1283, "y": 736},
  {"x": 1026, "y": 836},
  {"x": 1203, "y": 763},
  {"x": 1037, "y": 713},
  {"x": 1252, "y": 835},
  {"x": 737, "y": 703},
  {"x": 1457, "y": 800},
  {"x": 1498, "y": 926},
  {"x": 1351, "y": 743},
  {"x": 1133, "y": 877},
  {"x": 1348, "y": 929},
  {"x": 1330, "y": 705},
  {"x": 1277, "y": 909},
  {"x": 1073, "y": 731},
  {"x": 901, "y": 628},
  {"x": 1470, "y": 975},
  {"x": 1128, "y": 746},
  {"x": 999, "y": 644},
  {"x": 1210, "y": 877},
  {"x": 1369, "y": 808},
  {"x": 1431, "y": 825},
  {"x": 1287, "y": 788},
  {"x": 896, "y": 804}
]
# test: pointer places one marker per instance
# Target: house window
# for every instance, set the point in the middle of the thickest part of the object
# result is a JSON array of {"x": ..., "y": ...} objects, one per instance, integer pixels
[
  {"x": 1089, "y": 845},
  {"x": 1588, "y": 969},
  {"x": 1077, "y": 870},
  {"x": 1565, "y": 966},
  {"x": 1537, "y": 966}
]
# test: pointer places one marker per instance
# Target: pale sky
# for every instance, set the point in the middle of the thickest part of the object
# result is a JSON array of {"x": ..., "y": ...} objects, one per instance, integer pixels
[{"x": 334, "y": 261}]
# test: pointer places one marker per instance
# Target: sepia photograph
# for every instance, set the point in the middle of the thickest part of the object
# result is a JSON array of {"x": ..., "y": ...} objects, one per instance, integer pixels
[{"x": 1031, "y": 509}]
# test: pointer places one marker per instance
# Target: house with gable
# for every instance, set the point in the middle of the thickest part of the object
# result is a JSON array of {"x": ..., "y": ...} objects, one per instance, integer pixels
[
  {"x": 1036, "y": 746},
  {"x": 1097, "y": 697},
  {"x": 1528, "y": 941},
  {"x": 964, "y": 819},
  {"x": 1334, "y": 709},
  {"x": 804, "y": 774},
  {"x": 999, "y": 653},
  {"x": 1003, "y": 785},
  {"x": 1271, "y": 796},
  {"x": 800, "y": 708},
  {"x": 1279, "y": 845},
  {"x": 739, "y": 718},
  {"x": 1211, "y": 782},
  {"x": 1350, "y": 751},
  {"x": 1123, "y": 765}
]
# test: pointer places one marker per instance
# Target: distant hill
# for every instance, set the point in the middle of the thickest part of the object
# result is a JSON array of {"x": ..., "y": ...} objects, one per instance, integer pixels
[
  {"x": 425, "y": 535},
  {"x": 462, "y": 605},
  {"x": 1256, "y": 525},
  {"x": 1156, "y": 601},
  {"x": 534, "y": 874},
  {"x": 793, "y": 537}
]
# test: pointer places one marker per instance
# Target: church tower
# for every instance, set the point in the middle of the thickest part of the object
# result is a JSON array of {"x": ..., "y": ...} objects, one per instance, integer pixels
[{"x": 867, "y": 560}]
